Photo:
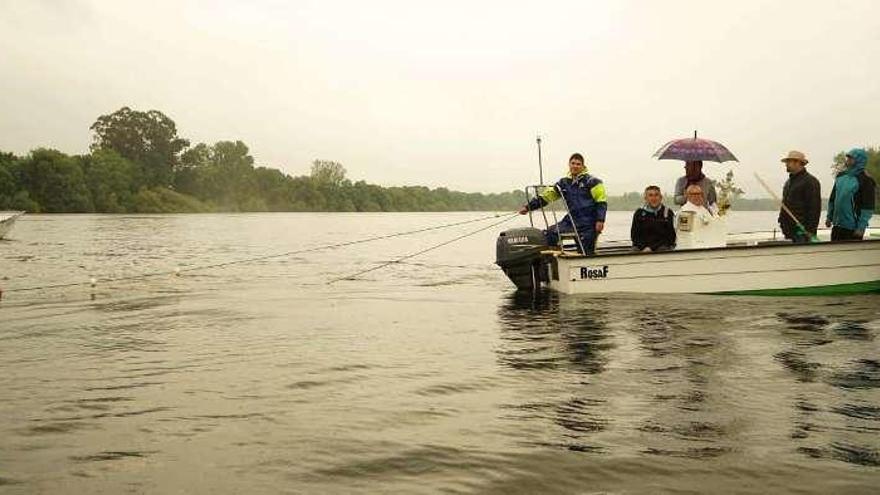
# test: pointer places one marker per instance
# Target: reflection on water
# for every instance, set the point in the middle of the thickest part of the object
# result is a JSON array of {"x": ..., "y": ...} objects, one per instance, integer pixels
[
  {"x": 552, "y": 339},
  {"x": 432, "y": 376},
  {"x": 693, "y": 378},
  {"x": 670, "y": 350},
  {"x": 840, "y": 428}
]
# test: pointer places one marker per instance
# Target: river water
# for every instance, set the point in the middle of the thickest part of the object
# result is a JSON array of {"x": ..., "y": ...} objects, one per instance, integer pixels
[{"x": 425, "y": 376}]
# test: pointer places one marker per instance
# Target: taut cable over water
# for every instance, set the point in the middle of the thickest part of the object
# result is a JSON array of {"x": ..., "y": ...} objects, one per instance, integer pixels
[
  {"x": 177, "y": 271},
  {"x": 423, "y": 251}
]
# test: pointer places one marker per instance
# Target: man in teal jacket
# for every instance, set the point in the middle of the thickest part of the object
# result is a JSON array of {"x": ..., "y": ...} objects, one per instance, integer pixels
[{"x": 852, "y": 199}]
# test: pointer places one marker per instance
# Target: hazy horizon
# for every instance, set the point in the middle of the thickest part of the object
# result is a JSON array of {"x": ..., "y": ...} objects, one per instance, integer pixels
[{"x": 453, "y": 94}]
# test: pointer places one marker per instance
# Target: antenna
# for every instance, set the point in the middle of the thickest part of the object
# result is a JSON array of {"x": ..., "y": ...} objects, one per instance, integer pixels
[{"x": 540, "y": 162}]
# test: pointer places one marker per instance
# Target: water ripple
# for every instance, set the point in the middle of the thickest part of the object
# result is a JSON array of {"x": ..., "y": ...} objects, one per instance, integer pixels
[
  {"x": 429, "y": 377},
  {"x": 109, "y": 456}
]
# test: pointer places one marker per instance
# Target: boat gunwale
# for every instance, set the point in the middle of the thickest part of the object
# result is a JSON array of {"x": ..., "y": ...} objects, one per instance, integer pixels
[
  {"x": 14, "y": 214},
  {"x": 773, "y": 245}
]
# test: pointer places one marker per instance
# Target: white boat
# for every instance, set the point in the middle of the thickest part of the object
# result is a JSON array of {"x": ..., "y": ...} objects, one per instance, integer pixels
[
  {"x": 744, "y": 267},
  {"x": 773, "y": 268},
  {"x": 7, "y": 220}
]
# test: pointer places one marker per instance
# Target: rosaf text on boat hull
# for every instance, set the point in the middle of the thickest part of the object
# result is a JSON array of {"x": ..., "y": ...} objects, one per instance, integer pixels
[{"x": 780, "y": 268}]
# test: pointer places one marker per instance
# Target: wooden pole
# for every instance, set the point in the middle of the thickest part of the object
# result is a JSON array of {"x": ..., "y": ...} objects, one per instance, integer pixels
[{"x": 784, "y": 208}]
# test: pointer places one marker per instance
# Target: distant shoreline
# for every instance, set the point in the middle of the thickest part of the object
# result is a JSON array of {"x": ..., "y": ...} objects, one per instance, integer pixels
[{"x": 138, "y": 164}]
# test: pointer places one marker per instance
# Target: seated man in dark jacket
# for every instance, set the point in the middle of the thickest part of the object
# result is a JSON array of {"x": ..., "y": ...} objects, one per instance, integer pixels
[{"x": 653, "y": 225}]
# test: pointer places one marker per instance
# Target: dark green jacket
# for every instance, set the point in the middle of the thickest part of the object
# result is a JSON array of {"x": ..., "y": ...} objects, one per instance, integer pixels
[{"x": 802, "y": 194}]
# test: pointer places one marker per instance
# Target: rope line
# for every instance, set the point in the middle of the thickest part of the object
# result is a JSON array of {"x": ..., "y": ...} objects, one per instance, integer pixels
[
  {"x": 258, "y": 258},
  {"x": 423, "y": 251}
]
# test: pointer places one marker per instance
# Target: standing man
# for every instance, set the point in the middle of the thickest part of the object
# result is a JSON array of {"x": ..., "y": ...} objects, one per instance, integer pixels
[
  {"x": 587, "y": 204},
  {"x": 802, "y": 194},
  {"x": 852, "y": 199},
  {"x": 653, "y": 225},
  {"x": 693, "y": 175}
]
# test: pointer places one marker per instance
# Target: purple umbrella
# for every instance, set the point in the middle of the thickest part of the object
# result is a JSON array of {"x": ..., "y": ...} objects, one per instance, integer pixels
[{"x": 693, "y": 149}]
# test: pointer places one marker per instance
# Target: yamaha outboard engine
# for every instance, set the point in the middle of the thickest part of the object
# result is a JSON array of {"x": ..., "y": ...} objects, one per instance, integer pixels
[{"x": 518, "y": 253}]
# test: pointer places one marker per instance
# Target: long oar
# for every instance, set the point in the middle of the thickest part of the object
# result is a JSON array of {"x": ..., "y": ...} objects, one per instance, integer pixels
[{"x": 813, "y": 237}]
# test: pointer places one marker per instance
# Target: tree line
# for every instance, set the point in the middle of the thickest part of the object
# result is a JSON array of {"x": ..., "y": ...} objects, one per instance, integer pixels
[{"x": 137, "y": 163}]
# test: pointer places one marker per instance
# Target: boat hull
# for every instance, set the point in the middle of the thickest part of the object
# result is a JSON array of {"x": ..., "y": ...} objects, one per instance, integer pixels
[
  {"x": 7, "y": 222},
  {"x": 775, "y": 270}
]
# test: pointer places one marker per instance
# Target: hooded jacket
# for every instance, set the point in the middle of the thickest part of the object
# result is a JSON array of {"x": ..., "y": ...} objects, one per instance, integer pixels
[
  {"x": 584, "y": 195},
  {"x": 852, "y": 199}
]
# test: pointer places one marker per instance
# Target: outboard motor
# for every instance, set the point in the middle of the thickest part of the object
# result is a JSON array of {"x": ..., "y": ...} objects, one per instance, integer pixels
[{"x": 518, "y": 253}]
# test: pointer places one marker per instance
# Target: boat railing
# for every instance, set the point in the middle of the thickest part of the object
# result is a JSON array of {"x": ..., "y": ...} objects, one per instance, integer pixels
[{"x": 535, "y": 191}]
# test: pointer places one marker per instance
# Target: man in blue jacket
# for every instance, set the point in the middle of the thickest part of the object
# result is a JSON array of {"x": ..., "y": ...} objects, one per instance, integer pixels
[
  {"x": 852, "y": 199},
  {"x": 587, "y": 204}
]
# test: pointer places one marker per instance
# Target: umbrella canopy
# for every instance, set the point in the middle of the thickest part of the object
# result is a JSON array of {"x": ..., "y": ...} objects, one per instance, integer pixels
[{"x": 693, "y": 149}]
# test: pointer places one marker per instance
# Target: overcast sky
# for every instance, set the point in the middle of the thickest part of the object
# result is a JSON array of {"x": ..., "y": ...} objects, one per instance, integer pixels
[{"x": 452, "y": 93}]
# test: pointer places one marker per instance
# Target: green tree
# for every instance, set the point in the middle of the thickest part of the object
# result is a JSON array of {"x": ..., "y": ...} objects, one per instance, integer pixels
[
  {"x": 328, "y": 172},
  {"x": 365, "y": 197},
  {"x": 22, "y": 201},
  {"x": 873, "y": 169},
  {"x": 192, "y": 163},
  {"x": 164, "y": 200},
  {"x": 273, "y": 187},
  {"x": 55, "y": 181},
  {"x": 147, "y": 138},
  {"x": 112, "y": 181},
  {"x": 224, "y": 175},
  {"x": 8, "y": 183}
]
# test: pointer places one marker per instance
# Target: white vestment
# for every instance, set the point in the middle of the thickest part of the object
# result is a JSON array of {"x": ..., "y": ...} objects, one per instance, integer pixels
[{"x": 699, "y": 227}]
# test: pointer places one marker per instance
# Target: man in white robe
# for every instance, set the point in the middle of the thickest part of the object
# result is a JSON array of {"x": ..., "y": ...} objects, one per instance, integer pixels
[{"x": 698, "y": 226}]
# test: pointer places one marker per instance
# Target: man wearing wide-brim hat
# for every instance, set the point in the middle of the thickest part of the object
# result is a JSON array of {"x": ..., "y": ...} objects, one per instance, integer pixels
[{"x": 802, "y": 194}]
